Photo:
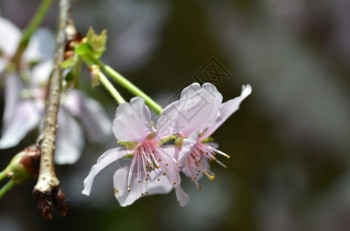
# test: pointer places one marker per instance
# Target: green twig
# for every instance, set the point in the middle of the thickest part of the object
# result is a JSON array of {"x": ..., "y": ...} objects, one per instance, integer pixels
[
  {"x": 126, "y": 83},
  {"x": 6, "y": 188},
  {"x": 105, "y": 82},
  {"x": 2, "y": 175}
]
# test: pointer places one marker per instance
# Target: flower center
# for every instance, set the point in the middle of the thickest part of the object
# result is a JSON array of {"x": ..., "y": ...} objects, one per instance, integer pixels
[{"x": 148, "y": 162}]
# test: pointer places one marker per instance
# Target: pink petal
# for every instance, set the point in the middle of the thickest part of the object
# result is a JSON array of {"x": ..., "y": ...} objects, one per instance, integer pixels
[
  {"x": 91, "y": 113},
  {"x": 137, "y": 190},
  {"x": 25, "y": 118},
  {"x": 192, "y": 112},
  {"x": 132, "y": 121},
  {"x": 105, "y": 159},
  {"x": 173, "y": 174},
  {"x": 228, "y": 108},
  {"x": 187, "y": 172},
  {"x": 70, "y": 139},
  {"x": 177, "y": 117}
]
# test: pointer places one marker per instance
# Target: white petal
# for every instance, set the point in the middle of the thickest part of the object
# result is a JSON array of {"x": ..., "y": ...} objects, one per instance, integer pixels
[
  {"x": 92, "y": 114},
  {"x": 157, "y": 183},
  {"x": 182, "y": 197},
  {"x": 132, "y": 121},
  {"x": 228, "y": 108},
  {"x": 10, "y": 36},
  {"x": 173, "y": 174},
  {"x": 12, "y": 91},
  {"x": 105, "y": 159},
  {"x": 215, "y": 96},
  {"x": 196, "y": 107},
  {"x": 182, "y": 115},
  {"x": 70, "y": 139},
  {"x": 137, "y": 190},
  {"x": 25, "y": 118},
  {"x": 210, "y": 88},
  {"x": 41, "y": 46},
  {"x": 187, "y": 147},
  {"x": 190, "y": 90},
  {"x": 41, "y": 73}
]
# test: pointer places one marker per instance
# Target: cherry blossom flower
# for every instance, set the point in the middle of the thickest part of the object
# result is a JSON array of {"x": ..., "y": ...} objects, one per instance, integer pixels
[
  {"x": 196, "y": 152},
  {"x": 26, "y": 107},
  {"x": 25, "y": 102},
  {"x": 150, "y": 167},
  {"x": 40, "y": 47}
]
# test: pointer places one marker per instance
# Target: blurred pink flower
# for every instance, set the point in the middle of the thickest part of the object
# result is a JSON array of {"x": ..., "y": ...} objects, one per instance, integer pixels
[
  {"x": 40, "y": 47},
  {"x": 25, "y": 100}
]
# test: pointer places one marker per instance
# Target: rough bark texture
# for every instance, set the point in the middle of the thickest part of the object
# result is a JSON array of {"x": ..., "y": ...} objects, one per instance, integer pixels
[{"x": 47, "y": 190}]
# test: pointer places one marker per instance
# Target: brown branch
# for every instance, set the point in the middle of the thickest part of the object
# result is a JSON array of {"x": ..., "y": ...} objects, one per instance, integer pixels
[{"x": 47, "y": 190}]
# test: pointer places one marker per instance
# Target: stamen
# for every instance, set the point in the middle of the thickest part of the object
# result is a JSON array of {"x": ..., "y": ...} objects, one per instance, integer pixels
[
  {"x": 194, "y": 179},
  {"x": 139, "y": 167},
  {"x": 210, "y": 175},
  {"x": 219, "y": 152},
  {"x": 219, "y": 162},
  {"x": 130, "y": 171}
]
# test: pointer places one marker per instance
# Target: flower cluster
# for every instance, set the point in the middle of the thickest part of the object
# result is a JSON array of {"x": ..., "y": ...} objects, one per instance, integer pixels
[
  {"x": 152, "y": 154},
  {"x": 26, "y": 91}
]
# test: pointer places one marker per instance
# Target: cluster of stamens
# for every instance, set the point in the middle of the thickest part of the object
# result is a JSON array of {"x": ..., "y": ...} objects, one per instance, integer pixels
[
  {"x": 197, "y": 161},
  {"x": 147, "y": 158}
]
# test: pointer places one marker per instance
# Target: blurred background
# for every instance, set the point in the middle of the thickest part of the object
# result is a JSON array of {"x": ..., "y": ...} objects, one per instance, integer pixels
[{"x": 289, "y": 143}]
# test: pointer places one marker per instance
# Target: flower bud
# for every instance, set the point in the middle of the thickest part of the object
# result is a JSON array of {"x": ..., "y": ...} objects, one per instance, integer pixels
[{"x": 24, "y": 165}]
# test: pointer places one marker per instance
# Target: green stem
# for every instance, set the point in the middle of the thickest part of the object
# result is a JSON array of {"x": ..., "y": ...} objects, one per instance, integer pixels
[
  {"x": 166, "y": 139},
  {"x": 126, "y": 83},
  {"x": 6, "y": 188},
  {"x": 105, "y": 82},
  {"x": 2, "y": 175},
  {"x": 31, "y": 28}
]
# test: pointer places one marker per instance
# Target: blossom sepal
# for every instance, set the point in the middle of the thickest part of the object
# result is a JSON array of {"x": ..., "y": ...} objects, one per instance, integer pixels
[{"x": 24, "y": 165}]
